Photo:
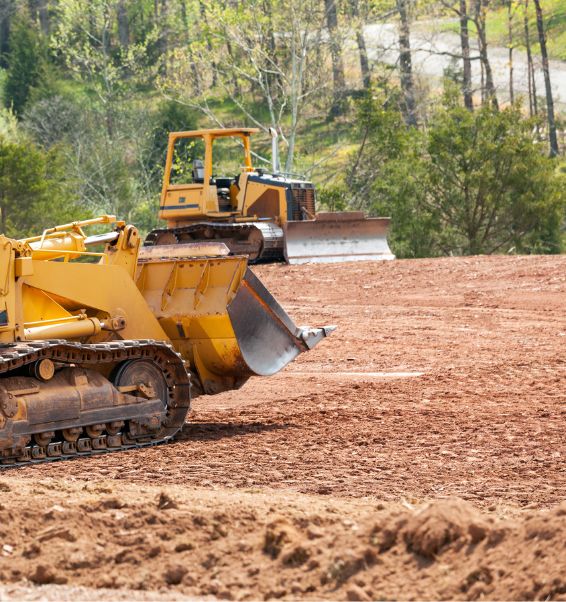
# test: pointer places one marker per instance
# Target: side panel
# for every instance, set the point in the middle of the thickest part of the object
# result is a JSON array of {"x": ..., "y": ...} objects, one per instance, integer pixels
[
  {"x": 105, "y": 288},
  {"x": 266, "y": 199},
  {"x": 182, "y": 202},
  {"x": 7, "y": 290}
]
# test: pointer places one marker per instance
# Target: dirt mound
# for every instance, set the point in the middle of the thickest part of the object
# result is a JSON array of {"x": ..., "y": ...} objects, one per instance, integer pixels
[
  {"x": 241, "y": 546},
  {"x": 437, "y": 526}
]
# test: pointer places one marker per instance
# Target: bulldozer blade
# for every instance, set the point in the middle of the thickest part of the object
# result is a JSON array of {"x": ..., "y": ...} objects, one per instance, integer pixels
[
  {"x": 267, "y": 337},
  {"x": 337, "y": 236}
]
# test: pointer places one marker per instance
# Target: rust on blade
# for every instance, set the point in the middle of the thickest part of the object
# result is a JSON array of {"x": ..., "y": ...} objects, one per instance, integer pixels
[{"x": 336, "y": 237}]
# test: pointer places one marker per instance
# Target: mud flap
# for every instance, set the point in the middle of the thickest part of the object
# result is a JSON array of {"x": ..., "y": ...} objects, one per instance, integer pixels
[
  {"x": 267, "y": 337},
  {"x": 337, "y": 236}
]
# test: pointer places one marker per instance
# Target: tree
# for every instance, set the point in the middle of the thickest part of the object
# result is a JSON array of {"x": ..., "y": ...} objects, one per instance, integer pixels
[
  {"x": 466, "y": 62},
  {"x": 7, "y": 9},
  {"x": 275, "y": 87},
  {"x": 552, "y": 138},
  {"x": 39, "y": 11},
  {"x": 358, "y": 24},
  {"x": 123, "y": 24},
  {"x": 480, "y": 10},
  {"x": 472, "y": 182},
  {"x": 338, "y": 77},
  {"x": 386, "y": 175},
  {"x": 26, "y": 63},
  {"x": 489, "y": 185},
  {"x": 510, "y": 48},
  {"x": 531, "y": 83},
  {"x": 405, "y": 62},
  {"x": 33, "y": 192}
]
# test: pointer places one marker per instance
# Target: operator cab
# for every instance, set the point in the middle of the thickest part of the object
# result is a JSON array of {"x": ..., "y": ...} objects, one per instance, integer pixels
[{"x": 191, "y": 185}]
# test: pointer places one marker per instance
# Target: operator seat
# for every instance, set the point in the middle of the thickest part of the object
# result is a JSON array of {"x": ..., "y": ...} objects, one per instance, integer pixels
[{"x": 198, "y": 171}]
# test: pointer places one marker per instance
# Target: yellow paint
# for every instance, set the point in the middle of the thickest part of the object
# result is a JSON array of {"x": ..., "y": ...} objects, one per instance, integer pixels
[
  {"x": 180, "y": 300},
  {"x": 183, "y": 204}
]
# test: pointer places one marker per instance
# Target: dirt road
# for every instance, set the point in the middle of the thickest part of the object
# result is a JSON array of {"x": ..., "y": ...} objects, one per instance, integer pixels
[
  {"x": 446, "y": 378},
  {"x": 434, "y": 50}
]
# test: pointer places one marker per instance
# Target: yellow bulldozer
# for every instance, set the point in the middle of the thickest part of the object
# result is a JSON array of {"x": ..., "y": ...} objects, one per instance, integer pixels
[
  {"x": 267, "y": 215},
  {"x": 102, "y": 350}
]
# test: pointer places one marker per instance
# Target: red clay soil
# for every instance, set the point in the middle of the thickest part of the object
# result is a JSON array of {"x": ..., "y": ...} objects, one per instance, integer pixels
[
  {"x": 234, "y": 545},
  {"x": 446, "y": 378}
]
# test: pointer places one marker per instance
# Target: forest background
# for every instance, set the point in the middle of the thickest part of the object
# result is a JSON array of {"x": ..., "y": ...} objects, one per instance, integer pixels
[{"x": 90, "y": 89}]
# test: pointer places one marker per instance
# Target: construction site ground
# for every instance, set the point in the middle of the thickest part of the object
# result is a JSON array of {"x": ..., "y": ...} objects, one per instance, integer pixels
[{"x": 417, "y": 453}]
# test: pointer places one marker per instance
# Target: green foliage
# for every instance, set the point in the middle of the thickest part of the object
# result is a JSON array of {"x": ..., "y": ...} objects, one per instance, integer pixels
[
  {"x": 8, "y": 125},
  {"x": 470, "y": 183},
  {"x": 117, "y": 167},
  {"x": 491, "y": 186},
  {"x": 332, "y": 198},
  {"x": 33, "y": 193},
  {"x": 170, "y": 116},
  {"x": 26, "y": 63},
  {"x": 388, "y": 173}
]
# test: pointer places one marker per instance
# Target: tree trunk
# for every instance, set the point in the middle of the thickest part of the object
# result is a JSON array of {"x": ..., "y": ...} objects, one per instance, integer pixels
[
  {"x": 510, "y": 44},
  {"x": 338, "y": 77},
  {"x": 467, "y": 63},
  {"x": 233, "y": 61},
  {"x": 405, "y": 63},
  {"x": 482, "y": 82},
  {"x": 32, "y": 9},
  {"x": 298, "y": 59},
  {"x": 164, "y": 32},
  {"x": 123, "y": 25},
  {"x": 187, "y": 41},
  {"x": 553, "y": 140},
  {"x": 274, "y": 79},
  {"x": 3, "y": 217},
  {"x": 93, "y": 34},
  {"x": 533, "y": 108},
  {"x": 6, "y": 10},
  {"x": 43, "y": 14},
  {"x": 479, "y": 19},
  {"x": 213, "y": 66},
  {"x": 361, "y": 42}
]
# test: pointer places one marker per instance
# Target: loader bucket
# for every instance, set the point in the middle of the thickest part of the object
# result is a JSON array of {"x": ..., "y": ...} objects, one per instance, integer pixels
[
  {"x": 267, "y": 337},
  {"x": 220, "y": 317},
  {"x": 337, "y": 236}
]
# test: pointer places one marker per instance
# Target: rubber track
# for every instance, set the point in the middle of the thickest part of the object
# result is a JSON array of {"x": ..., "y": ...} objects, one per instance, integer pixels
[{"x": 16, "y": 355}]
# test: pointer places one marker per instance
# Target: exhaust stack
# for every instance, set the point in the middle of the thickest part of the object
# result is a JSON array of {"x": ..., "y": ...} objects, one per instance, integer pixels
[{"x": 274, "y": 150}]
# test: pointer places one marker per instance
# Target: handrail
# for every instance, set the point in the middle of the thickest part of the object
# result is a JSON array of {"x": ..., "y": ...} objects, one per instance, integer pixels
[{"x": 75, "y": 226}]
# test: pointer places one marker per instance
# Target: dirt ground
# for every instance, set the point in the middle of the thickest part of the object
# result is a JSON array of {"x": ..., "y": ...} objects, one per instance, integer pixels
[{"x": 417, "y": 453}]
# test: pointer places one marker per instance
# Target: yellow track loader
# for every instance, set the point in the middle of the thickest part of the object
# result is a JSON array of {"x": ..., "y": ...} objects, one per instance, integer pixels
[
  {"x": 265, "y": 215},
  {"x": 102, "y": 350}
]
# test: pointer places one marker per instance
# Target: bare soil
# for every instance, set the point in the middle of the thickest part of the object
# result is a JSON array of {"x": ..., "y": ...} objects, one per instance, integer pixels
[{"x": 418, "y": 452}]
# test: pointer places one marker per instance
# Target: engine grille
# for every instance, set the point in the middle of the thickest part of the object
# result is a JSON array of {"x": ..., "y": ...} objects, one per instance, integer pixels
[{"x": 303, "y": 204}]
